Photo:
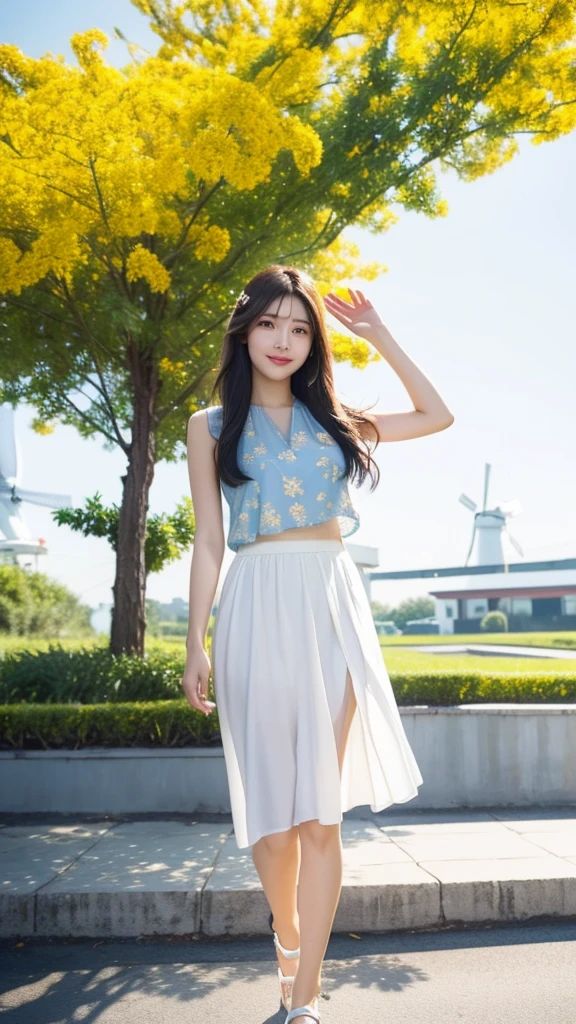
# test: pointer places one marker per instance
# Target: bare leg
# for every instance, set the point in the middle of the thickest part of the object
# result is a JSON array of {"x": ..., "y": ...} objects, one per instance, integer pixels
[
  {"x": 277, "y": 860},
  {"x": 320, "y": 879},
  {"x": 318, "y": 895},
  {"x": 301, "y": 874},
  {"x": 344, "y": 720}
]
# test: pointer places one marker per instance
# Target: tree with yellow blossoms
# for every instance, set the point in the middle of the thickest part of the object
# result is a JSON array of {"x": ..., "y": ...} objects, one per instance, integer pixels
[{"x": 136, "y": 203}]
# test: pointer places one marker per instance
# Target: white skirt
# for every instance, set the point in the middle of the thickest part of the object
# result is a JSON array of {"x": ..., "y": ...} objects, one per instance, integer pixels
[{"x": 293, "y": 615}]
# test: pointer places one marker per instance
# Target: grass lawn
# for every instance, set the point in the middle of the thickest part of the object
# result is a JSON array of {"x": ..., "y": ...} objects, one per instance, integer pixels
[
  {"x": 565, "y": 640},
  {"x": 397, "y": 660}
]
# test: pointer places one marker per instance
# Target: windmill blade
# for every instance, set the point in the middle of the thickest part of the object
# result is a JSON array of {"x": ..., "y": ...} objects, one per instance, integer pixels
[
  {"x": 471, "y": 542},
  {"x": 515, "y": 544},
  {"x": 12, "y": 524},
  {"x": 8, "y": 450},
  {"x": 487, "y": 468},
  {"x": 43, "y": 498},
  {"x": 468, "y": 502}
]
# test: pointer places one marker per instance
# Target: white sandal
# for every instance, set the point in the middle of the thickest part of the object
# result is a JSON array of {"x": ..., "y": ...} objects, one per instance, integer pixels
[
  {"x": 284, "y": 981},
  {"x": 310, "y": 1010}
]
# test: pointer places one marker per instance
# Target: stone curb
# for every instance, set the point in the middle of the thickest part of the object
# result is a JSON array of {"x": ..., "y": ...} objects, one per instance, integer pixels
[{"x": 401, "y": 871}]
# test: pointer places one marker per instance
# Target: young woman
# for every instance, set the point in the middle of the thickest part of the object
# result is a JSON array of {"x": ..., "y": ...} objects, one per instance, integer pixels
[{"x": 309, "y": 722}]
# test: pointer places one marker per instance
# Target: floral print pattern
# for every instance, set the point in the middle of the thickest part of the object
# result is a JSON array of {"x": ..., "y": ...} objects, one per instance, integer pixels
[
  {"x": 265, "y": 503},
  {"x": 292, "y": 486}
]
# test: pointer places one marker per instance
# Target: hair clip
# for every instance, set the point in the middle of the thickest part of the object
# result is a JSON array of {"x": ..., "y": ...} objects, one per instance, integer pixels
[{"x": 242, "y": 299}]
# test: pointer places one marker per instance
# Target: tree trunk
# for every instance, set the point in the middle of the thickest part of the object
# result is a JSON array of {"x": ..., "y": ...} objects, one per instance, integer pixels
[{"x": 129, "y": 612}]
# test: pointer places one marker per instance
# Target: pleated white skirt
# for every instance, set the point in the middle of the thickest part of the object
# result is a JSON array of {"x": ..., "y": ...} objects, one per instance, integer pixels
[{"x": 293, "y": 615}]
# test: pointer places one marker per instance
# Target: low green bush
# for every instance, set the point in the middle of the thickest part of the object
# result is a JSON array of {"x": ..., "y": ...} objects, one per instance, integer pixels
[
  {"x": 158, "y": 723},
  {"x": 446, "y": 688},
  {"x": 494, "y": 622},
  {"x": 174, "y": 723},
  {"x": 89, "y": 675}
]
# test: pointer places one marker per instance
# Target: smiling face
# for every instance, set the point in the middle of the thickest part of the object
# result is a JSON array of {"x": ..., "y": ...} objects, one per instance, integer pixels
[{"x": 283, "y": 331}]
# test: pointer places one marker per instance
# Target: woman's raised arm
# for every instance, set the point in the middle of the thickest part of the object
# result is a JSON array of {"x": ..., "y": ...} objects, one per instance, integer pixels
[{"x": 430, "y": 413}]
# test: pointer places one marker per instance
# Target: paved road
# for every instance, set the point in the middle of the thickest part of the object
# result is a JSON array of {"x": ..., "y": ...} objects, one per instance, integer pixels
[{"x": 519, "y": 975}]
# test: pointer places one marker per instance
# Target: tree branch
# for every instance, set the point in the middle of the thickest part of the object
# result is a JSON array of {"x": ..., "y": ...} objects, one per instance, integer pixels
[
  {"x": 55, "y": 188},
  {"x": 98, "y": 191},
  {"x": 169, "y": 260},
  {"x": 88, "y": 419},
  {"x": 282, "y": 257},
  {"x": 92, "y": 339},
  {"x": 185, "y": 306},
  {"x": 188, "y": 390},
  {"x": 32, "y": 309},
  {"x": 78, "y": 318},
  {"x": 108, "y": 402}
]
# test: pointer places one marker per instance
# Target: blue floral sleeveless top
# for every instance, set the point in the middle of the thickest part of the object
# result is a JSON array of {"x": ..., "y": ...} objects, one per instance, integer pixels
[{"x": 298, "y": 479}]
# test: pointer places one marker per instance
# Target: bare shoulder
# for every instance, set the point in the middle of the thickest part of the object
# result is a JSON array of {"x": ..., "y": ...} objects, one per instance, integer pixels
[
  {"x": 199, "y": 423},
  {"x": 200, "y": 416},
  {"x": 200, "y": 435}
]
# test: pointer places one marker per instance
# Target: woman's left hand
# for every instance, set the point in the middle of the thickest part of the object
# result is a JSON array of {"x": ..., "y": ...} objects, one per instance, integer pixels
[{"x": 358, "y": 316}]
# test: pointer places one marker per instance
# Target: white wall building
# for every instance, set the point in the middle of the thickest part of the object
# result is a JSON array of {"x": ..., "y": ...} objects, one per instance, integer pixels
[{"x": 538, "y": 600}]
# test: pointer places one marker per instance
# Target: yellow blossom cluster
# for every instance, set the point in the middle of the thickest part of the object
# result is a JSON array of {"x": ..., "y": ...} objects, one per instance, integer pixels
[
  {"x": 127, "y": 173},
  {"x": 92, "y": 158},
  {"x": 174, "y": 370},
  {"x": 340, "y": 261},
  {"x": 56, "y": 249},
  {"x": 352, "y": 350},
  {"x": 143, "y": 263}
]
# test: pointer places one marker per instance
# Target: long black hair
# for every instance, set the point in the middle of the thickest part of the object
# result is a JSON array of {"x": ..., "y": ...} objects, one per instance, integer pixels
[{"x": 312, "y": 383}]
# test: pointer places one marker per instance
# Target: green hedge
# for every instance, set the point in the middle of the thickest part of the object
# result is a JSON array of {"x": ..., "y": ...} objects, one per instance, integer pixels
[
  {"x": 445, "y": 688},
  {"x": 174, "y": 723},
  {"x": 158, "y": 723},
  {"x": 89, "y": 675}
]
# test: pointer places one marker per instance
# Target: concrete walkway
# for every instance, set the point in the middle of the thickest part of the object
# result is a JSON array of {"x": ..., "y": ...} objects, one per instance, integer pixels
[
  {"x": 491, "y": 650},
  {"x": 403, "y": 869}
]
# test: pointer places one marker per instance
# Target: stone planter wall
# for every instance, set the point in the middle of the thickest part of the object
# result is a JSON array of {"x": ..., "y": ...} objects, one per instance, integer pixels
[{"x": 470, "y": 756}]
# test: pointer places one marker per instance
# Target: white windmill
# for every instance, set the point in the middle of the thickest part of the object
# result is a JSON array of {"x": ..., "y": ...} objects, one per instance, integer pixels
[
  {"x": 491, "y": 528},
  {"x": 18, "y": 540}
]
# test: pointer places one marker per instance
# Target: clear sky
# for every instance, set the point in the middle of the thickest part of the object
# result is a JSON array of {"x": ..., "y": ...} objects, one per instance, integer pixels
[{"x": 482, "y": 300}]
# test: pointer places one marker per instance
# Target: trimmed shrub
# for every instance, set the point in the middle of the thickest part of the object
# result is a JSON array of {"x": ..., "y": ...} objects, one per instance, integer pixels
[
  {"x": 89, "y": 675},
  {"x": 159, "y": 723},
  {"x": 494, "y": 622},
  {"x": 174, "y": 723}
]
